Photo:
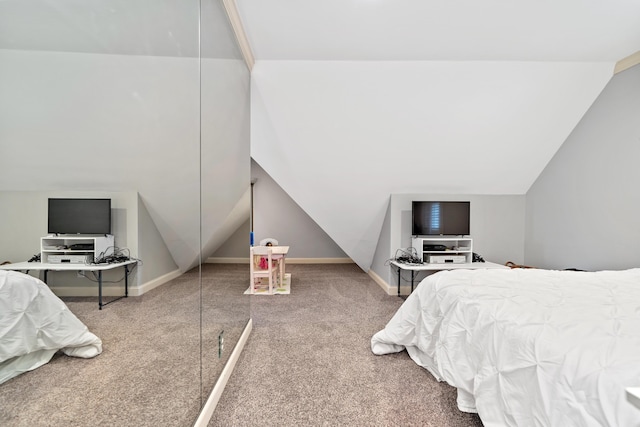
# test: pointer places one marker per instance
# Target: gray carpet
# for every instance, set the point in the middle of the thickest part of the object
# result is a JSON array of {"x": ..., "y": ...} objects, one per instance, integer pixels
[
  {"x": 149, "y": 372},
  {"x": 308, "y": 361}
]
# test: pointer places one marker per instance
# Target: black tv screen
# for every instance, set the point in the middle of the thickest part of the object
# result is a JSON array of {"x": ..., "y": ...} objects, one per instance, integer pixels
[
  {"x": 440, "y": 218},
  {"x": 79, "y": 216}
]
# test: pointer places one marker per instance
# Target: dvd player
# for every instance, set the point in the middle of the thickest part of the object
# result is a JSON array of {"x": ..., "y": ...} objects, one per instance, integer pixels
[{"x": 447, "y": 259}]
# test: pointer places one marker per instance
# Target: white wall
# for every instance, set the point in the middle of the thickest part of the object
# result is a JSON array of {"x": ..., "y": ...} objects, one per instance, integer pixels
[
  {"x": 340, "y": 137},
  {"x": 24, "y": 215},
  {"x": 235, "y": 249},
  {"x": 72, "y": 121},
  {"x": 24, "y": 222},
  {"x": 277, "y": 216},
  {"x": 156, "y": 258},
  {"x": 583, "y": 210}
]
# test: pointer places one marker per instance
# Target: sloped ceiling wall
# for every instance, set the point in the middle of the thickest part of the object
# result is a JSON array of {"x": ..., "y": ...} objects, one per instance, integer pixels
[
  {"x": 436, "y": 30},
  {"x": 339, "y": 137}
]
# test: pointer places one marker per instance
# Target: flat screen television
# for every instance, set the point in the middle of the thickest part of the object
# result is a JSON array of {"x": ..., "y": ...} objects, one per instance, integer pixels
[
  {"x": 79, "y": 216},
  {"x": 440, "y": 218}
]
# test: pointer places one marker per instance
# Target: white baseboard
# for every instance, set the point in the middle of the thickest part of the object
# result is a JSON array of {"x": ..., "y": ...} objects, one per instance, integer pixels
[
  {"x": 221, "y": 260},
  {"x": 212, "y": 401},
  {"x": 389, "y": 289},
  {"x": 152, "y": 284},
  {"x": 110, "y": 290},
  {"x": 380, "y": 281}
]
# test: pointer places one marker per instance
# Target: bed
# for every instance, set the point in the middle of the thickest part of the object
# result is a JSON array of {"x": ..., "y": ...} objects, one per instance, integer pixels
[
  {"x": 527, "y": 347},
  {"x": 35, "y": 324}
]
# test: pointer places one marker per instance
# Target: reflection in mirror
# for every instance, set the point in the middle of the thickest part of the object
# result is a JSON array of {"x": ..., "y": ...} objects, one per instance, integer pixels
[
  {"x": 103, "y": 101},
  {"x": 225, "y": 170}
]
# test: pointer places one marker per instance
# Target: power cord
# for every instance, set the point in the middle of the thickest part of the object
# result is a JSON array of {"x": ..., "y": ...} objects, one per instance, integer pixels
[
  {"x": 113, "y": 255},
  {"x": 117, "y": 255},
  {"x": 406, "y": 256}
]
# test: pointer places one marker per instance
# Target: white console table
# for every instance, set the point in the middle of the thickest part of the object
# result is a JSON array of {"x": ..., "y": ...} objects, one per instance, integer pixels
[
  {"x": 417, "y": 268},
  {"x": 99, "y": 268}
]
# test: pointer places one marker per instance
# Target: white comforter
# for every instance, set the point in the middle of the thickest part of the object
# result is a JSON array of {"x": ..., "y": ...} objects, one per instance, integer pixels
[
  {"x": 34, "y": 324},
  {"x": 527, "y": 347}
]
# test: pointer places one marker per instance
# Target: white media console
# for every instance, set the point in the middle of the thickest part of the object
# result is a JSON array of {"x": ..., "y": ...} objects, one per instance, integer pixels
[
  {"x": 75, "y": 249},
  {"x": 443, "y": 249},
  {"x": 77, "y": 253}
]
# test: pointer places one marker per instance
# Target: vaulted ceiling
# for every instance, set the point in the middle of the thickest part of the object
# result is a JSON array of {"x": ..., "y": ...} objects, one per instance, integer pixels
[
  {"x": 353, "y": 100},
  {"x": 375, "y": 30},
  {"x": 436, "y": 30}
]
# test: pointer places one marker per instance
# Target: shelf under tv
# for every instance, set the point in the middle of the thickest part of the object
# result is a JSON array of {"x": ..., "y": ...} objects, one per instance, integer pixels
[
  {"x": 458, "y": 248},
  {"x": 56, "y": 245}
]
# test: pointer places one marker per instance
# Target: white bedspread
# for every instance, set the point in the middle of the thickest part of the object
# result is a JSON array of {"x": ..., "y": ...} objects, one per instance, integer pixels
[
  {"x": 527, "y": 347},
  {"x": 34, "y": 324}
]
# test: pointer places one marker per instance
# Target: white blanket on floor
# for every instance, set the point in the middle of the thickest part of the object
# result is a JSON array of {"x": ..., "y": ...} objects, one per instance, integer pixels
[
  {"x": 34, "y": 324},
  {"x": 527, "y": 347}
]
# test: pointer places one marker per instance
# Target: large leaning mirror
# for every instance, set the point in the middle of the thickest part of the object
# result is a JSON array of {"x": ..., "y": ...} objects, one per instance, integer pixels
[
  {"x": 225, "y": 191},
  {"x": 103, "y": 100}
]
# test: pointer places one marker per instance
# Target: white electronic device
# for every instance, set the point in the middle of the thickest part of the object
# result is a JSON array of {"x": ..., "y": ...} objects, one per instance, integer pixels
[
  {"x": 447, "y": 259},
  {"x": 69, "y": 259}
]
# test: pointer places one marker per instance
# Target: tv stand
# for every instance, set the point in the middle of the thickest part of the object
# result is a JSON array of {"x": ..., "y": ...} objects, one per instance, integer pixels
[
  {"x": 90, "y": 248},
  {"x": 443, "y": 248}
]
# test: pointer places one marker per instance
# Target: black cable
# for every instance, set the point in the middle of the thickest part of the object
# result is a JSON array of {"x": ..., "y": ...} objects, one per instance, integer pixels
[
  {"x": 408, "y": 256},
  {"x": 117, "y": 255}
]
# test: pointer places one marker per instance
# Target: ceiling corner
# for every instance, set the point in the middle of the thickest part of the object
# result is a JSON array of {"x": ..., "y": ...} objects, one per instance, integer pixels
[{"x": 236, "y": 23}]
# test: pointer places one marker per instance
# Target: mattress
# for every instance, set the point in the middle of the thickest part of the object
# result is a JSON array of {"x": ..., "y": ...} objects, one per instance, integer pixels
[
  {"x": 35, "y": 324},
  {"x": 527, "y": 347}
]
